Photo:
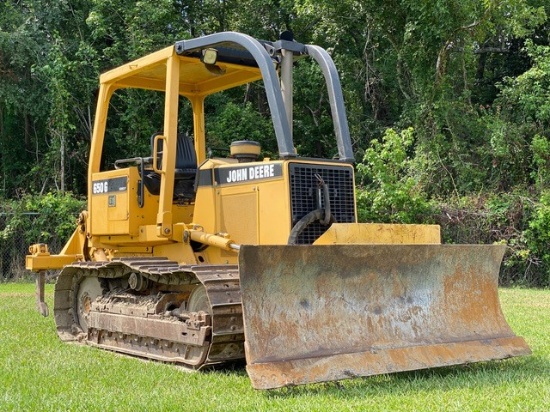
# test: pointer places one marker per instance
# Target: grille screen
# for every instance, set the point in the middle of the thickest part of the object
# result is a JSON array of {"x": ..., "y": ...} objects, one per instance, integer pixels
[{"x": 305, "y": 196}]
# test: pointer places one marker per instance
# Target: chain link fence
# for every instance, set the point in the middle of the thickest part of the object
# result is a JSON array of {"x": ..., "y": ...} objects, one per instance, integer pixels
[{"x": 14, "y": 245}]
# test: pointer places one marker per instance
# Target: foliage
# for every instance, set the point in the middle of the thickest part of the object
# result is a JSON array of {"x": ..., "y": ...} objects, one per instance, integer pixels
[
  {"x": 49, "y": 218},
  {"x": 234, "y": 122},
  {"x": 511, "y": 218},
  {"x": 57, "y": 216},
  {"x": 519, "y": 125},
  {"x": 537, "y": 239},
  {"x": 540, "y": 147},
  {"x": 471, "y": 78},
  {"x": 391, "y": 191},
  {"x": 402, "y": 63},
  {"x": 529, "y": 93}
]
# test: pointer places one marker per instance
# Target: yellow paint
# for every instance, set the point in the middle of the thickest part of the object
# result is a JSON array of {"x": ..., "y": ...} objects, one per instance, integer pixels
[
  {"x": 378, "y": 233},
  {"x": 255, "y": 210}
]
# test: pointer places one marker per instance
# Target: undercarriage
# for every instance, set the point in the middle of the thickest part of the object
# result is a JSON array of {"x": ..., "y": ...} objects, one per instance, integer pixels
[{"x": 153, "y": 308}]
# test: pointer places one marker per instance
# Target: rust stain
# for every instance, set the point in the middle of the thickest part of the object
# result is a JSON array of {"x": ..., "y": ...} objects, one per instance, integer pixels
[{"x": 321, "y": 313}]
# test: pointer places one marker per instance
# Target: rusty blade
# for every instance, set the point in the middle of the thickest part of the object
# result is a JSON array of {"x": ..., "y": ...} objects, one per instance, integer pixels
[{"x": 323, "y": 313}]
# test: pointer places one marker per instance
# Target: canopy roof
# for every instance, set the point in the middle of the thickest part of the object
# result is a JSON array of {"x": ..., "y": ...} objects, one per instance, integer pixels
[{"x": 196, "y": 78}]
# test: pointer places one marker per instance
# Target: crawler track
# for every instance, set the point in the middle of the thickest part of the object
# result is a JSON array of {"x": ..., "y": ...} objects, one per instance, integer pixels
[{"x": 153, "y": 308}]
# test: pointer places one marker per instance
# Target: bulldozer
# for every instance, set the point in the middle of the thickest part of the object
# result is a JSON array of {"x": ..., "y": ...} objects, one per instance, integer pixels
[{"x": 196, "y": 260}]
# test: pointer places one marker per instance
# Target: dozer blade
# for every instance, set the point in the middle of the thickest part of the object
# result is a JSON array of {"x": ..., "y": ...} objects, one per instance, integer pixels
[{"x": 324, "y": 313}]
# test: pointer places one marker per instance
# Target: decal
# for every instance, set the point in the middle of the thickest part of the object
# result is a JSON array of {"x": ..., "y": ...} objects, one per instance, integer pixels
[
  {"x": 117, "y": 184},
  {"x": 247, "y": 173}
]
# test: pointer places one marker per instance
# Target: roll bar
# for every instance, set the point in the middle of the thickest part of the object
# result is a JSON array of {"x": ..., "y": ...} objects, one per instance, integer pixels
[{"x": 242, "y": 49}]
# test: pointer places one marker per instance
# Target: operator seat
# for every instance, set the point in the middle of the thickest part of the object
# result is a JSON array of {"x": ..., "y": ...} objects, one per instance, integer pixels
[{"x": 185, "y": 171}]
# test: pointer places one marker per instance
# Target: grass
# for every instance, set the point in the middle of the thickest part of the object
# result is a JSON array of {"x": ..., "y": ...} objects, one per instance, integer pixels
[{"x": 40, "y": 373}]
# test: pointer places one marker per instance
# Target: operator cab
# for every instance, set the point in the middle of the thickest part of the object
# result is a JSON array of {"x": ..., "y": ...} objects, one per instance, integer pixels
[{"x": 185, "y": 171}]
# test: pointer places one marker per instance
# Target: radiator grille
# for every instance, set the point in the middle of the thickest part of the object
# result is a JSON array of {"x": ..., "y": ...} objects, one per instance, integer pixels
[{"x": 304, "y": 196}]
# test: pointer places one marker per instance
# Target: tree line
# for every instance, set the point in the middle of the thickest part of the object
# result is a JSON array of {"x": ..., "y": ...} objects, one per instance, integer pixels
[{"x": 447, "y": 102}]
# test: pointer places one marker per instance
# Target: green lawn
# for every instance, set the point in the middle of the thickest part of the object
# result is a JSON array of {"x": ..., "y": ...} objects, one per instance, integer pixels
[{"x": 40, "y": 373}]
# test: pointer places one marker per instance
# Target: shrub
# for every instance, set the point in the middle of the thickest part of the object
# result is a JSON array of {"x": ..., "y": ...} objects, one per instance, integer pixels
[
  {"x": 537, "y": 240},
  {"x": 49, "y": 218},
  {"x": 390, "y": 191},
  {"x": 509, "y": 218}
]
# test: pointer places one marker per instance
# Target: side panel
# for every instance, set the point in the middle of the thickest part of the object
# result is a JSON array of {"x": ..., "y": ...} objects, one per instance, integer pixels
[
  {"x": 248, "y": 201},
  {"x": 114, "y": 200},
  {"x": 238, "y": 213},
  {"x": 252, "y": 203},
  {"x": 110, "y": 202}
]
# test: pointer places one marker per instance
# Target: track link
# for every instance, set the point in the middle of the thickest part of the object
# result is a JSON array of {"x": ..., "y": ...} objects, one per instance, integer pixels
[{"x": 153, "y": 308}]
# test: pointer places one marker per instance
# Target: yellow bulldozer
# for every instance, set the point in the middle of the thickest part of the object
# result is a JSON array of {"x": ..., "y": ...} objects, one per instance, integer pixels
[{"x": 198, "y": 260}]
